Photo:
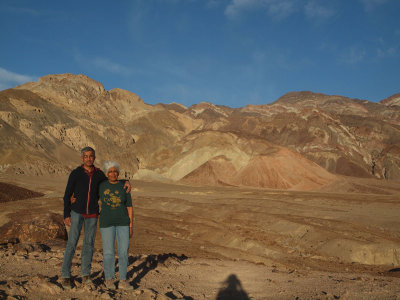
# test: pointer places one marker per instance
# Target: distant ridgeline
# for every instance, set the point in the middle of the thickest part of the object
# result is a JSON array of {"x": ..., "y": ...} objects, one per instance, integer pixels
[{"x": 301, "y": 141}]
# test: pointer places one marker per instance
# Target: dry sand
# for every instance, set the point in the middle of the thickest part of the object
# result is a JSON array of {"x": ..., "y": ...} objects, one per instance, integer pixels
[{"x": 225, "y": 243}]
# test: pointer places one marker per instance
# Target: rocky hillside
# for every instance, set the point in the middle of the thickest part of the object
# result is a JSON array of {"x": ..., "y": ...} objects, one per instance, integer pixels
[{"x": 301, "y": 141}]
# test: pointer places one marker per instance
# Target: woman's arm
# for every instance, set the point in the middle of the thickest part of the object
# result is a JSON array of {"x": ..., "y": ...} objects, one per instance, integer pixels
[{"x": 130, "y": 214}]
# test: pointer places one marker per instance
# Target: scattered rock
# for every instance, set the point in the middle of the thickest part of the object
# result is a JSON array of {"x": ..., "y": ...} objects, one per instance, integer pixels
[
  {"x": 146, "y": 294},
  {"x": 31, "y": 248}
]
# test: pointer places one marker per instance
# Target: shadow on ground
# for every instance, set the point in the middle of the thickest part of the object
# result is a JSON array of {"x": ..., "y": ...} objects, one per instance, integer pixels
[
  {"x": 232, "y": 289},
  {"x": 151, "y": 262}
]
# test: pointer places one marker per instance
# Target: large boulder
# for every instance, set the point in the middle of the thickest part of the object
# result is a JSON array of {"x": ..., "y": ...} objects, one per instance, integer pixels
[{"x": 36, "y": 229}]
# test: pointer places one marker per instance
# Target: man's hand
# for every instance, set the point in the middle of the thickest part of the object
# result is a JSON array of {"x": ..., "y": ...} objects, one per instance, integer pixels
[
  {"x": 130, "y": 230},
  {"x": 127, "y": 186},
  {"x": 72, "y": 199},
  {"x": 67, "y": 221}
]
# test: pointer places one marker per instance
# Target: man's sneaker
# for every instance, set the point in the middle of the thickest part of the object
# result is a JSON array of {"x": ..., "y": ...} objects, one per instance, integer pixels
[
  {"x": 110, "y": 284},
  {"x": 86, "y": 279},
  {"x": 66, "y": 283},
  {"x": 124, "y": 285}
]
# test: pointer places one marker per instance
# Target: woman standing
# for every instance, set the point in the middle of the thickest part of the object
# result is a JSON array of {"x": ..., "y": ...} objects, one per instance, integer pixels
[{"x": 116, "y": 220}]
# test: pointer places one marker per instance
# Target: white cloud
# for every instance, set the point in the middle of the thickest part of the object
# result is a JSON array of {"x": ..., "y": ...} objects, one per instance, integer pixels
[
  {"x": 353, "y": 55},
  {"x": 369, "y": 5},
  {"x": 279, "y": 9},
  {"x": 105, "y": 64},
  {"x": 101, "y": 63},
  {"x": 386, "y": 52},
  {"x": 314, "y": 9},
  {"x": 10, "y": 79},
  {"x": 275, "y": 8},
  {"x": 386, "y": 49},
  {"x": 23, "y": 11},
  {"x": 213, "y": 3}
]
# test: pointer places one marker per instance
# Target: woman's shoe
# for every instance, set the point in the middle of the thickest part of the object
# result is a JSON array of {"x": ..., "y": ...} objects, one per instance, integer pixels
[
  {"x": 109, "y": 283},
  {"x": 86, "y": 280},
  {"x": 124, "y": 285},
  {"x": 66, "y": 283}
]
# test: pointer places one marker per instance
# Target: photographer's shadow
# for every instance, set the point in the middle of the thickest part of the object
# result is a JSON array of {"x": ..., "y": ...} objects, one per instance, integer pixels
[{"x": 232, "y": 290}]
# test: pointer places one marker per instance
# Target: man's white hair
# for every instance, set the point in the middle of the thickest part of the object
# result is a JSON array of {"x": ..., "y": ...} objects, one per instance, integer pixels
[{"x": 109, "y": 164}]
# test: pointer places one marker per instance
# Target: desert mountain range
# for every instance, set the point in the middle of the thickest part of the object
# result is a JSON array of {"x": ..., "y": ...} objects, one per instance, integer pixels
[{"x": 302, "y": 141}]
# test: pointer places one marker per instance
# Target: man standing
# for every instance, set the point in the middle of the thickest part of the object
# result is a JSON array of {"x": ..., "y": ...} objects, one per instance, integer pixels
[{"x": 83, "y": 185}]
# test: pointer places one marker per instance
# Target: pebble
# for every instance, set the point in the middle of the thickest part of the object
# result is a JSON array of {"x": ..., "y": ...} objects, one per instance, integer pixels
[
  {"x": 48, "y": 287},
  {"x": 146, "y": 294},
  {"x": 162, "y": 297},
  {"x": 106, "y": 296}
]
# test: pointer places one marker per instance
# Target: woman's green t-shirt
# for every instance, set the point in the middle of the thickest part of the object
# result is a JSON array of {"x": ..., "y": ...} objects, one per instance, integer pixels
[{"x": 114, "y": 202}]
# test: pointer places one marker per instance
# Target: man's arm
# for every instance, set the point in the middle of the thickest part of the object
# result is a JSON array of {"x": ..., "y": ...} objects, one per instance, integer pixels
[
  {"x": 69, "y": 190},
  {"x": 127, "y": 186},
  {"x": 67, "y": 221}
]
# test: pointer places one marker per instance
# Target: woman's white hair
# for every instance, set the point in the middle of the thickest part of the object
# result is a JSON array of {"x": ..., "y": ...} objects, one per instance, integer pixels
[{"x": 109, "y": 164}]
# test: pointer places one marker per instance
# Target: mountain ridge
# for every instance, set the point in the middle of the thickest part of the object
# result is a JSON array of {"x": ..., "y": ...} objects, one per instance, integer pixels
[{"x": 44, "y": 124}]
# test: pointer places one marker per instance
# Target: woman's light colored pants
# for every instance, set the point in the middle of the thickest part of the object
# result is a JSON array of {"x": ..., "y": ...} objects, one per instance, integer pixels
[{"x": 108, "y": 239}]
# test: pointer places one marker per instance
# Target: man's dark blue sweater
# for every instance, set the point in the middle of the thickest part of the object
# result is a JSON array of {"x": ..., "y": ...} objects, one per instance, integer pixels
[{"x": 85, "y": 187}]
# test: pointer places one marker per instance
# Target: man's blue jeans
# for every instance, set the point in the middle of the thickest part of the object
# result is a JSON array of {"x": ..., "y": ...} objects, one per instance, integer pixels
[
  {"x": 108, "y": 238},
  {"x": 88, "y": 244}
]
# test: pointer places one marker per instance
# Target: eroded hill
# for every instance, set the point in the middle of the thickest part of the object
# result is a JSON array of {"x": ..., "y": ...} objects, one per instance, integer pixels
[{"x": 302, "y": 141}]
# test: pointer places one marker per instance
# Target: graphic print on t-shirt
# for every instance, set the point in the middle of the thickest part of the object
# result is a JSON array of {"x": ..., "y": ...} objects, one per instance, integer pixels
[{"x": 112, "y": 199}]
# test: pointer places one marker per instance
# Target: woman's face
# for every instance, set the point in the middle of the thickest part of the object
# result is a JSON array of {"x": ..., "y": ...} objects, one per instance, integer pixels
[{"x": 112, "y": 174}]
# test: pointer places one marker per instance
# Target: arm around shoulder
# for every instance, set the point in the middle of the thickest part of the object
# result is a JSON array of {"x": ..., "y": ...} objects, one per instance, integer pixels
[{"x": 127, "y": 185}]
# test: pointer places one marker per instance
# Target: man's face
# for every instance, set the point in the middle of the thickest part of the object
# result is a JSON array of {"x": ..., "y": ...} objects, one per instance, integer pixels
[{"x": 88, "y": 159}]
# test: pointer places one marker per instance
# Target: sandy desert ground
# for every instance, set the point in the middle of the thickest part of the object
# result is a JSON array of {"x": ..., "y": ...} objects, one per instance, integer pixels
[{"x": 341, "y": 242}]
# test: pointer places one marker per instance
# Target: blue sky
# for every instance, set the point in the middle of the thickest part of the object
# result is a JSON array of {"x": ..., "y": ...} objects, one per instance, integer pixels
[{"x": 228, "y": 52}]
